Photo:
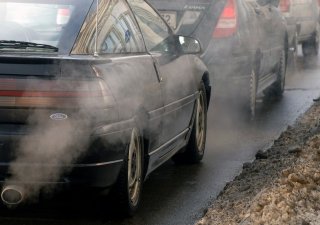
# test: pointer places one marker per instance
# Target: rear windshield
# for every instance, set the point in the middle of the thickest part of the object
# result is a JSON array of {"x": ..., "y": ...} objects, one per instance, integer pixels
[{"x": 40, "y": 25}]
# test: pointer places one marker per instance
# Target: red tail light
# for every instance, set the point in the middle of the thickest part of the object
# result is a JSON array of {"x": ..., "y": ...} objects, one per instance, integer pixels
[
  {"x": 227, "y": 24},
  {"x": 63, "y": 16},
  {"x": 64, "y": 12},
  {"x": 284, "y": 5},
  {"x": 52, "y": 93}
]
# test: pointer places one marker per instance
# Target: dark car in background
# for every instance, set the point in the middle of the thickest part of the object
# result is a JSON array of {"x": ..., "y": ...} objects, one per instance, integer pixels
[
  {"x": 302, "y": 18},
  {"x": 245, "y": 43},
  {"x": 98, "y": 98},
  {"x": 191, "y": 17}
]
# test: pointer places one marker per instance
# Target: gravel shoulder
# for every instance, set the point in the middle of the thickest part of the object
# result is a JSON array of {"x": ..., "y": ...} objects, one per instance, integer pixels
[{"x": 282, "y": 186}]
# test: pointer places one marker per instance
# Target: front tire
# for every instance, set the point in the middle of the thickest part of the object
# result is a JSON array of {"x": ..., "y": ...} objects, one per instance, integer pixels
[
  {"x": 195, "y": 148},
  {"x": 277, "y": 89},
  {"x": 130, "y": 181},
  {"x": 252, "y": 98}
]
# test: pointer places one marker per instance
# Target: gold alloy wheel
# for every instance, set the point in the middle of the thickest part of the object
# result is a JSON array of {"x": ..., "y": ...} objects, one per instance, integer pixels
[
  {"x": 134, "y": 168},
  {"x": 200, "y": 123}
]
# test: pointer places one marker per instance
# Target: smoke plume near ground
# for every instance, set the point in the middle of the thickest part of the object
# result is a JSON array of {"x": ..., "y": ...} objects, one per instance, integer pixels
[{"x": 47, "y": 152}]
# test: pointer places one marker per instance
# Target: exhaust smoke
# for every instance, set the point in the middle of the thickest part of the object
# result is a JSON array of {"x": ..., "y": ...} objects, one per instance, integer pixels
[
  {"x": 51, "y": 149},
  {"x": 46, "y": 153}
]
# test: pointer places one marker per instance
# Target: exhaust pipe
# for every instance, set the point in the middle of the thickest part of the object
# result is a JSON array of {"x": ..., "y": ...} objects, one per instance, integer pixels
[{"x": 12, "y": 195}]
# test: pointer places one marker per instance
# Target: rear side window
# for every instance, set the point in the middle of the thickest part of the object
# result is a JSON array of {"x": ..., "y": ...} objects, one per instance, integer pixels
[
  {"x": 154, "y": 29},
  {"x": 117, "y": 31}
]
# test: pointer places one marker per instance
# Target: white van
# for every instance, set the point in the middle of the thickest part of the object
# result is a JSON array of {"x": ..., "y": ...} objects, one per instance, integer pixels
[{"x": 303, "y": 24}]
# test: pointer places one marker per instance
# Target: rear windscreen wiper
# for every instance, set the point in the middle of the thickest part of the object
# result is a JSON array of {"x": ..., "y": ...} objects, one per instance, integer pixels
[{"x": 11, "y": 44}]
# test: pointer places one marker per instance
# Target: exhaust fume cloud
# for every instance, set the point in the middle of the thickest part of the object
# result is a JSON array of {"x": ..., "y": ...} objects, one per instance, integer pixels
[{"x": 46, "y": 154}]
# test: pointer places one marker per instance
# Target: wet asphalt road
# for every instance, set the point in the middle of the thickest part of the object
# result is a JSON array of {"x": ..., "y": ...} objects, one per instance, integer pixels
[{"x": 178, "y": 195}]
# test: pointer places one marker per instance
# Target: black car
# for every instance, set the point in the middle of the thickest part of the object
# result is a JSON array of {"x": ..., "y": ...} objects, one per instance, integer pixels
[
  {"x": 245, "y": 43},
  {"x": 100, "y": 98}
]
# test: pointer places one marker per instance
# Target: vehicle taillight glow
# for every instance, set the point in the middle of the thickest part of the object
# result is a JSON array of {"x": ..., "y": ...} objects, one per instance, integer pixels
[
  {"x": 227, "y": 24},
  {"x": 284, "y": 5},
  {"x": 52, "y": 93},
  {"x": 63, "y": 16}
]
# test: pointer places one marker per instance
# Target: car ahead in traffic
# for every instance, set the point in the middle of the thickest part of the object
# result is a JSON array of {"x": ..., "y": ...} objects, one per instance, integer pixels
[
  {"x": 303, "y": 24},
  {"x": 245, "y": 43},
  {"x": 100, "y": 101}
]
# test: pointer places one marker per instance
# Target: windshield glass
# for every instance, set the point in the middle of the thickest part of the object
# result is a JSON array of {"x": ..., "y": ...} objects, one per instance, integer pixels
[{"x": 40, "y": 22}]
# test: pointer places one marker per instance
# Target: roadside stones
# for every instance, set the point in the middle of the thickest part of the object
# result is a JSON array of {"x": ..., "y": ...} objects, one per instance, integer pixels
[
  {"x": 244, "y": 188},
  {"x": 315, "y": 142},
  {"x": 294, "y": 149},
  {"x": 261, "y": 155},
  {"x": 286, "y": 172},
  {"x": 305, "y": 222},
  {"x": 294, "y": 177},
  {"x": 316, "y": 177},
  {"x": 246, "y": 165}
]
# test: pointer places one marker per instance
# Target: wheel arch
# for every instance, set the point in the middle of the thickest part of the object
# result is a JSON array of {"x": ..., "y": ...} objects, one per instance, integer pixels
[
  {"x": 206, "y": 81},
  {"x": 257, "y": 60},
  {"x": 146, "y": 157},
  {"x": 140, "y": 118}
]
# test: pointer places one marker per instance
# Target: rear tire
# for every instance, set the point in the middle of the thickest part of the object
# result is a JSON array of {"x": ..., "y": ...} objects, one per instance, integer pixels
[
  {"x": 195, "y": 148},
  {"x": 130, "y": 181},
  {"x": 310, "y": 48}
]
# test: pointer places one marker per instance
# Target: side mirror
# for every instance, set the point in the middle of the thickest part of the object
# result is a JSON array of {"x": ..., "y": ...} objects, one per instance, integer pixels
[{"x": 189, "y": 45}]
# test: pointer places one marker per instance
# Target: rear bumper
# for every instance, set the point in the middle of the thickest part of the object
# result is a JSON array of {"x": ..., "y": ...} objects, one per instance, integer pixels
[
  {"x": 98, "y": 175},
  {"x": 98, "y": 167}
]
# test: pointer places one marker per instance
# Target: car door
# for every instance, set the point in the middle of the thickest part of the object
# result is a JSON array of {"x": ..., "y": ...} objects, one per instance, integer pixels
[
  {"x": 277, "y": 38},
  {"x": 261, "y": 18},
  {"x": 174, "y": 71},
  {"x": 269, "y": 37},
  {"x": 122, "y": 61}
]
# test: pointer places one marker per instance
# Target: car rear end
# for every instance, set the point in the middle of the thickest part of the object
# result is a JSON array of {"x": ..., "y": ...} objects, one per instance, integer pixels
[
  {"x": 230, "y": 53},
  {"x": 302, "y": 18},
  {"x": 189, "y": 17},
  {"x": 54, "y": 108}
]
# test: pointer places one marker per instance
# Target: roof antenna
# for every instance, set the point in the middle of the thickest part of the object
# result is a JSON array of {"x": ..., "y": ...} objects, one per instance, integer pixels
[{"x": 96, "y": 54}]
